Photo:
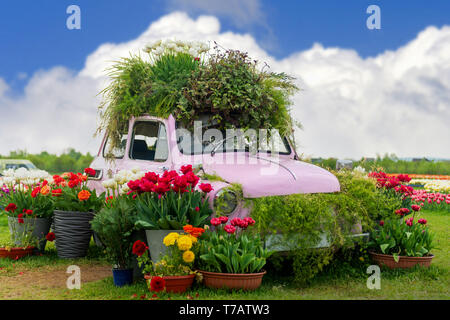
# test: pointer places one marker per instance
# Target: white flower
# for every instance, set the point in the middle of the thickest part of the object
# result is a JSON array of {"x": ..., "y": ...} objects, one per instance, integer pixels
[
  {"x": 193, "y": 52},
  {"x": 124, "y": 188},
  {"x": 109, "y": 184}
]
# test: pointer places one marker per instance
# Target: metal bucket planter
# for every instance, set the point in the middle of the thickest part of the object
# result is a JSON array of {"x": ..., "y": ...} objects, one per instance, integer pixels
[
  {"x": 73, "y": 233},
  {"x": 122, "y": 277},
  {"x": 233, "y": 281},
  {"x": 40, "y": 227},
  {"x": 155, "y": 242}
]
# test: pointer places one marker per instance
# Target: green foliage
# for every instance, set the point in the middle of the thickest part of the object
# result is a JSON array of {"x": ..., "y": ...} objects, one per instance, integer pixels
[
  {"x": 172, "y": 211},
  {"x": 69, "y": 161},
  {"x": 301, "y": 219},
  {"x": 114, "y": 225},
  {"x": 398, "y": 238},
  {"x": 238, "y": 95},
  {"x": 228, "y": 86},
  {"x": 230, "y": 253}
]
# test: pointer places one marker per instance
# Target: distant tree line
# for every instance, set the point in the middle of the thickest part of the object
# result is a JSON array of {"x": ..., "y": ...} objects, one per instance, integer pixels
[
  {"x": 69, "y": 161},
  {"x": 392, "y": 164}
]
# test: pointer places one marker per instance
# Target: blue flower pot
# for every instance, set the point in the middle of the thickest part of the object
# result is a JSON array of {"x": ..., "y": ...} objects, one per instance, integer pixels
[{"x": 122, "y": 277}]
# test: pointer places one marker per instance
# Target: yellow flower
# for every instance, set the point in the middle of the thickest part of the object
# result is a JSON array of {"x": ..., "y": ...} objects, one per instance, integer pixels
[
  {"x": 184, "y": 243},
  {"x": 194, "y": 239},
  {"x": 188, "y": 256},
  {"x": 361, "y": 258},
  {"x": 170, "y": 239}
]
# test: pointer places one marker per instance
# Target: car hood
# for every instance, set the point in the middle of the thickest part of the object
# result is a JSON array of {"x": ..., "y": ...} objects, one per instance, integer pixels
[{"x": 262, "y": 176}]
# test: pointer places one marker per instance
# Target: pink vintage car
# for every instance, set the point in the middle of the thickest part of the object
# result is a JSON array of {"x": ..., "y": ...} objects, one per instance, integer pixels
[{"x": 154, "y": 144}]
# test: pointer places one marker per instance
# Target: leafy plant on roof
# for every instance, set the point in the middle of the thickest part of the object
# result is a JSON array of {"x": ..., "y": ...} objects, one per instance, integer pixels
[{"x": 183, "y": 79}]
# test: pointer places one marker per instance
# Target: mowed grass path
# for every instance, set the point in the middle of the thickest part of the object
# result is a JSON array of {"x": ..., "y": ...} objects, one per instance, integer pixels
[{"x": 43, "y": 277}]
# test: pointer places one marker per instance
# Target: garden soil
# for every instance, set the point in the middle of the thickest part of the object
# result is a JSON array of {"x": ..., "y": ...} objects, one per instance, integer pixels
[{"x": 42, "y": 283}]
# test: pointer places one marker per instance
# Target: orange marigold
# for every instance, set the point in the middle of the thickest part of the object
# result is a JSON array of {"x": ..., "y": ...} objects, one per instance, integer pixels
[{"x": 84, "y": 195}]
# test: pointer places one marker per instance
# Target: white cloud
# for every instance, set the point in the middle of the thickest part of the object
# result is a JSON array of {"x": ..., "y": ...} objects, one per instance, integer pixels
[{"x": 396, "y": 102}]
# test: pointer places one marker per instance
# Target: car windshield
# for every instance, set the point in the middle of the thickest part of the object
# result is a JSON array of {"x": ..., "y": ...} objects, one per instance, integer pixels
[{"x": 206, "y": 138}]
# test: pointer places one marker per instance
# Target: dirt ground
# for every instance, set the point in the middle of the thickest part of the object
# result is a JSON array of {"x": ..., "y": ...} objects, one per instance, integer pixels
[{"x": 34, "y": 284}]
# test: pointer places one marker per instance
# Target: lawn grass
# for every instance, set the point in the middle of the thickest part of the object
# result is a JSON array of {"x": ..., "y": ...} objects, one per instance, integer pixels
[{"x": 338, "y": 281}]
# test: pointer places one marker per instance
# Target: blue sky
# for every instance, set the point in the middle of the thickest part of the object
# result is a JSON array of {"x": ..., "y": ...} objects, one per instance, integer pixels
[
  {"x": 34, "y": 35},
  {"x": 365, "y": 92}
]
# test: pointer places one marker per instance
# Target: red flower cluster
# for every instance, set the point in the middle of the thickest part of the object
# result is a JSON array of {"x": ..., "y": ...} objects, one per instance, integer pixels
[
  {"x": 218, "y": 221},
  {"x": 403, "y": 178},
  {"x": 235, "y": 223},
  {"x": 20, "y": 218},
  {"x": 139, "y": 248},
  {"x": 229, "y": 229},
  {"x": 431, "y": 198},
  {"x": 170, "y": 180},
  {"x": 157, "y": 284},
  {"x": 11, "y": 208},
  {"x": 90, "y": 172},
  {"x": 205, "y": 187},
  {"x": 415, "y": 207},
  {"x": 70, "y": 179},
  {"x": 401, "y": 212},
  {"x": 27, "y": 212},
  {"x": 56, "y": 192},
  {"x": 422, "y": 221},
  {"x": 242, "y": 223},
  {"x": 409, "y": 221},
  {"x": 50, "y": 236}
]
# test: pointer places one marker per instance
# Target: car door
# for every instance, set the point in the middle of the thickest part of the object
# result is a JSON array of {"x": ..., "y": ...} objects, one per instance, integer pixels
[{"x": 148, "y": 147}]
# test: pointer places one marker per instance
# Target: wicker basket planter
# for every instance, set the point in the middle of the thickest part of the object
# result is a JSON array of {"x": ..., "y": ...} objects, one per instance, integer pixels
[
  {"x": 404, "y": 262},
  {"x": 73, "y": 233},
  {"x": 236, "y": 281}
]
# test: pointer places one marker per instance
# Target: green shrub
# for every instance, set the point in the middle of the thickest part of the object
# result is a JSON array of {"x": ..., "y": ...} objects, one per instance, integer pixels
[{"x": 303, "y": 218}]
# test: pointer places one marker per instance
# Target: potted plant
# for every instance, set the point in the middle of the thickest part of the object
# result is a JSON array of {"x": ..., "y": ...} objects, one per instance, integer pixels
[
  {"x": 402, "y": 243},
  {"x": 30, "y": 192},
  {"x": 168, "y": 202},
  {"x": 230, "y": 256},
  {"x": 22, "y": 241},
  {"x": 75, "y": 206},
  {"x": 174, "y": 271},
  {"x": 114, "y": 225}
]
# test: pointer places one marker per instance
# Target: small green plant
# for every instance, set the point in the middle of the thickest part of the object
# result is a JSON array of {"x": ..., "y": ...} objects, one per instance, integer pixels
[{"x": 114, "y": 225}]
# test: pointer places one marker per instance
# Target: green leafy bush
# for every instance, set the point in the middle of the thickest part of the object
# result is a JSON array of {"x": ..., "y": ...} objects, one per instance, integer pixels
[
  {"x": 173, "y": 79},
  {"x": 302, "y": 219},
  {"x": 114, "y": 225}
]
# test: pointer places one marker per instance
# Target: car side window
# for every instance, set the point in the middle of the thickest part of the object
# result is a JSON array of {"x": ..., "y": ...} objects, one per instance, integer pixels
[
  {"x": 149, "y": 141},
  {"x": 118, "y": 152}
]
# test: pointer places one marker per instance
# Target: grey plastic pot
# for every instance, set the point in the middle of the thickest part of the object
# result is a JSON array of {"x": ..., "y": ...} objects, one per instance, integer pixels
[
  {"x": 155, "y": 242},
  {"x": 40, "y": 227},
  {"x": 73, "y": 233}
]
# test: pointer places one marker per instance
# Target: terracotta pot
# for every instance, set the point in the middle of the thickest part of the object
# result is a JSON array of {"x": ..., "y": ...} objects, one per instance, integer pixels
[
  {"x": 244, "y": 281},
  {"x": 16, "y": 253},
  {"x": 404, "y": 262},
  {"x": 175, "y": 284}
]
